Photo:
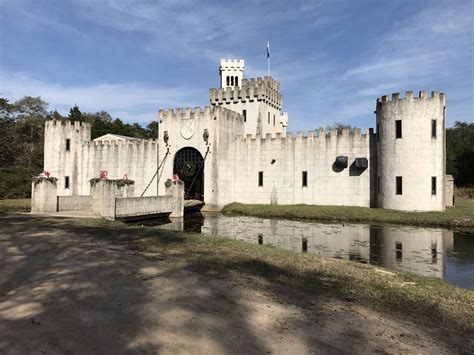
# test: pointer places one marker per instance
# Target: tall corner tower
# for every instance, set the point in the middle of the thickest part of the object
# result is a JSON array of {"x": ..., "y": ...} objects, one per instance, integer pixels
[
  {"x": 231, "y": 72},
  {"x": 411, "y": 151},
  {"x": 62, "y": 152}
]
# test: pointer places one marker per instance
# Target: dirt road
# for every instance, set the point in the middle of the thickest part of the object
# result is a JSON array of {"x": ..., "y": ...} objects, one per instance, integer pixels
[{"x": 64, "y": 291}]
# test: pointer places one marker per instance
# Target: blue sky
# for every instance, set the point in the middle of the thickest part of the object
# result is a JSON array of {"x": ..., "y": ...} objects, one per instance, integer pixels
[{"x": 333, "y": 58}]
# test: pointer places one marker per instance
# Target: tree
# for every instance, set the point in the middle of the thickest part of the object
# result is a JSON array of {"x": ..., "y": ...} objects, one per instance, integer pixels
[
  {"x": 460, "y": 153},
  {"x": 75, "y": 114},
  {"x": 338, "y": 126}
]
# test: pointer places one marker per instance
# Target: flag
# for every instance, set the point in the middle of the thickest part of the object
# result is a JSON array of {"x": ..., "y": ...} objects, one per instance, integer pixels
[{"x": 268, "y": 50}]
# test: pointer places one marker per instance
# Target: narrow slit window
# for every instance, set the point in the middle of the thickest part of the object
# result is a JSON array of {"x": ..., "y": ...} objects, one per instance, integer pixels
[
  {"x": 269, "y": 118},
  {"x": 433, "y": 185},
  {"x": 228, "y": 80},
  {"x": 236, "y": 81},
  {"x": 304, "y": 245},
  {"x": 244, "y": 113},
  {"x": 398, "y": 251},
  {"x": 231, "y": 81},
  {"x": 273, "y": 119},
  {"x": 305, "y": 179},
  {"x": 68, "y": 145},
  {"x": 399, "y": 187},
  {"x": 433, "y": 128},
  {"x": 398, "y": 128},
  {"x": 66, "y": 182},
  {"x": 260, "y": 178}
]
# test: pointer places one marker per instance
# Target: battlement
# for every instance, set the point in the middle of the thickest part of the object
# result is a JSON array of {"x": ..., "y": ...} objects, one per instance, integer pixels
[
  {"x": 313, "y": 136},
  {"x": 260, "y": 89},
  {"x": 266, "y": 80},
  {"x": 198, "y": 113},
  {"x": 422, "y": 95},
  {"x": 67, "y": 124},
  {"x": 119, "y": 143},
  {"x": 232, "y": 64}
]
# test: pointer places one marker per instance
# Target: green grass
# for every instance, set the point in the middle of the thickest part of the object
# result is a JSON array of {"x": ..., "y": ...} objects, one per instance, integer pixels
[
  {"x": 462, "y": 215},
  {"x": 289, "y": 276},
  {"x": 18, "y": 205}
]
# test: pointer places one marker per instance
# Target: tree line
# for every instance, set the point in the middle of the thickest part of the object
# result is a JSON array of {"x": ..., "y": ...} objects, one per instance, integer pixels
[{"x": 22, "y": 139}]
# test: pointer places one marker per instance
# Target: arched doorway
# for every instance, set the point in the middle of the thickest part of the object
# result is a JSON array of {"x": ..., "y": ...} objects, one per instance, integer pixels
[{"x": 189, "y": 166}]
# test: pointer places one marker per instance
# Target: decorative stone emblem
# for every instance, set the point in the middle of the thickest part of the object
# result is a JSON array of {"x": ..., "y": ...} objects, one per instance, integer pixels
[{"x": 187, "y": 128}]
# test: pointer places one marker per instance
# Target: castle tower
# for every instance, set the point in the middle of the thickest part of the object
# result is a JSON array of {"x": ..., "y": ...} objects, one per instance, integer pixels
[
  {"x": 411, "y": 151},
  {"x": 258, "y": 100},
  {"x": 231, "y": 72},
  {"x": 63, "y": 153}
]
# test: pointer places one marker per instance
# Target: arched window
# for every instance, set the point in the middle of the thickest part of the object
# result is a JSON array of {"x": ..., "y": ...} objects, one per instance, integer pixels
[
  {"x": 228, "y": 80},
  {"x": 231, "y": 81},
  {"x": 236, "y": 81}
]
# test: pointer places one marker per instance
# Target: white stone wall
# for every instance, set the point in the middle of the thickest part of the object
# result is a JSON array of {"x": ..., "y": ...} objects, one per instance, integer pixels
[
  {"x": 86, "y": 158},
  {"x": 60, "y": 162},
  {"x": 283, "y": 160},
  {"x": 74, "y": 203},
  {"x": 416, "y": 157},
  {"x": 43, "y": 197},
  {"x": 140, "y": 206}
]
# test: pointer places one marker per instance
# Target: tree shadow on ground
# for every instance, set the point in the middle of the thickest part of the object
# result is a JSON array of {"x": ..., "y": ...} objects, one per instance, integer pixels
[{"x": 65, "y": 287}]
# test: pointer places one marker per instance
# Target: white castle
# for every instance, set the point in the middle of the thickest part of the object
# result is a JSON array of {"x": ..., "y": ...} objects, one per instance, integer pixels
[{"x": 238, "y": 150}]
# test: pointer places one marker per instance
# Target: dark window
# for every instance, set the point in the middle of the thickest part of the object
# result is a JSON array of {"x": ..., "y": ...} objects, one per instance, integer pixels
[
  {"x": 433, "y": 185},
  {"x": 399, "y": 185},
  {"x": 244, "y": 113},
  {"x": 304, "y": 245},
  {"x": 269, "y": 118},
  {"x": 433, "y": 128},
  {"x": 378, "y": 184},
  {"x": 378, "y": 132},
  {"x": 68, "y": 145},
  {"x": 231, "y": 81},
  {"x": 305, "y": 178},
  {"x": 228, "y": 81},
  {"x": 398, "y": 251},
  {"x": 260, "y": 238},
  {"x": 260, "y": 178},
  {"x": 66, "y": 182},
  {"x": 236, "y": 81},
  {"x": 398, "y": 129}
]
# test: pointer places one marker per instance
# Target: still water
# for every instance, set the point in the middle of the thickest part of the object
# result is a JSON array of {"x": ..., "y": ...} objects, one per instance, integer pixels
[{"x": 433, "y": 252}]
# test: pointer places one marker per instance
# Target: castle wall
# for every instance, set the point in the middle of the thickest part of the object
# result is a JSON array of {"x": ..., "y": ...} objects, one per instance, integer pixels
[
  {"x": 85, "y": 158},
  {"x": 282, "y": 159},
  {"x": 416, "y": 156}
]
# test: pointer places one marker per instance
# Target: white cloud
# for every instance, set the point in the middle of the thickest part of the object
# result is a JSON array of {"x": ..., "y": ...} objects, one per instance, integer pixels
[{"x": 131, "y": 101}]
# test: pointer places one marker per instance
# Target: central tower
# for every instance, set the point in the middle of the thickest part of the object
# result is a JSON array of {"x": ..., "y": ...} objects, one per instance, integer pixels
[{"x": 231, "y": 72}]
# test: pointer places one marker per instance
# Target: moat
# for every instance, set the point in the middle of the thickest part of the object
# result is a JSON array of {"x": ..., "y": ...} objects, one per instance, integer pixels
[{"x": 433, "y": 252}]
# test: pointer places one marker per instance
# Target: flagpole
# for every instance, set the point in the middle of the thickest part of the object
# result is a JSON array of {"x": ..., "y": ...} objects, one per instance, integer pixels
[{"x": 268, "y": 58}]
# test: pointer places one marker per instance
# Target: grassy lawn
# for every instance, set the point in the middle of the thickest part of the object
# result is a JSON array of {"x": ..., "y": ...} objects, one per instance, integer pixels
[
  {"x": 19, "y": 205},
  {"x": 462, "y": 215},
  {"x": 304, "y": 278}
]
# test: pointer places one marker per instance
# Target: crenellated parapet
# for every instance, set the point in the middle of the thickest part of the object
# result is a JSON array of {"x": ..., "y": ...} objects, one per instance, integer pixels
[
  {"x": 396, "y": 99},
  {"x": 320, "y": 136},
  {"x": 199, "y": 114},
  {"x": 121, "y": 143},
  {"x": 260, "y": 89},
  {"x": 232, "y": 64}
]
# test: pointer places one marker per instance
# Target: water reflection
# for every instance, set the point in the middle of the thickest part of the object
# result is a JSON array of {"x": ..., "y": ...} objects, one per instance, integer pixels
[{"x": 431, "y": 252}]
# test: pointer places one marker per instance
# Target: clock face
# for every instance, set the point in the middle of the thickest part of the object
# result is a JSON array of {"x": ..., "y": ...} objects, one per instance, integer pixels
[{"x": 187, "y": 128}]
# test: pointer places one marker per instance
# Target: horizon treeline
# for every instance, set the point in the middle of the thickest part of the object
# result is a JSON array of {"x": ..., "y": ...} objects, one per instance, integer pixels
[{"x": 22, "y": 139}]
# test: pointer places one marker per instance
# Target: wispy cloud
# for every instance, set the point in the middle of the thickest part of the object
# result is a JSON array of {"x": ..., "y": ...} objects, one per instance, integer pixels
[{"x": 130, "y": 101}]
